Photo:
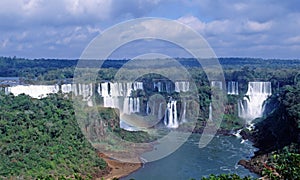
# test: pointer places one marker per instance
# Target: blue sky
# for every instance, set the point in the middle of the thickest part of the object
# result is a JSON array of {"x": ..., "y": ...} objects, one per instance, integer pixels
[{"x": 63, "y": 28}]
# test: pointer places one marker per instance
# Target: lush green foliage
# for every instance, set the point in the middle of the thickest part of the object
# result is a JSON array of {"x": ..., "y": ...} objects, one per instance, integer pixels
[
  {"x": 41, "y": 137},
  {"x": 284, "y": 164}
]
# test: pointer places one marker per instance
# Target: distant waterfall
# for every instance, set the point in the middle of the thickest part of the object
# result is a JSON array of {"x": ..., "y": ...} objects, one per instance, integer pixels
[
  {"x": 66, "y": 88},
  {"x": 182, "y": 86},
  {"x": 171, "y": 120},
  {"x": 210, "y": 112},
  {"x": 232, "y": 88},
  {"x": 35, "y": 91},
  {"x": 147, "y": 108},
  {"x": 164, "y": 86},
  {"x": 183, "y": 117},
  {"x": 131, "y": 105},
  {"x": 169, "y": 87},
  {"x": 104, "y": 89},
  {"x": 253, "y": 106},
  {"x": 160, "y": 111},
  {"x": 217, "y": 84},
  {"x": 137, "y": 85}
]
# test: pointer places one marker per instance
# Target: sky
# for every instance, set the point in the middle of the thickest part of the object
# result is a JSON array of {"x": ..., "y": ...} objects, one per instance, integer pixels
[{"x": 232, "y": 28}]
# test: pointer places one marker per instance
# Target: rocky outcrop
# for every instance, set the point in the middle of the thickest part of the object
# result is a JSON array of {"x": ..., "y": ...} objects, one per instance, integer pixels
[{"x": 255, "y": 164}]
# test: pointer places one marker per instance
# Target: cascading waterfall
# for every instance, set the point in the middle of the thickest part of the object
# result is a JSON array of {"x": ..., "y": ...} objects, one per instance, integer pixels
[
  {"x": 131, "y": 105},
  {"x": 35, "y": 91},
  {"x": 147, "y": 108},
  {"x": 104, "y": 89},
  {"x": 167, "y": 86},
  {"x": 183, "y": 117},
  {"x": 182, "y": 86},
  {"x": 75, "y": 89},
  {"x": 210, "y": 112},
  {"x": 66, "y": 88},
  {"x": 217, "y": 84},
  {"x": 117, "y": 95},
  {"x": 157, "y": 85},
  {"x": 171, "y": 120},
  {"x": 252, "y": 107},
  {"x": 233, "y": 88},
  {"x": 137, "y": 85},
  {"x": 164, "y": 86}
]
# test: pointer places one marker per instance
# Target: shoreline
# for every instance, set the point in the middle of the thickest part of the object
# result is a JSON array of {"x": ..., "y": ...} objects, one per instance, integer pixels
[{"x": 117, "y": 168}]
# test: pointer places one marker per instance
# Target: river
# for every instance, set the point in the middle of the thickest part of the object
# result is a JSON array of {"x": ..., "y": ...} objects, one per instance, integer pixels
[{"x": 221, "y": 155}]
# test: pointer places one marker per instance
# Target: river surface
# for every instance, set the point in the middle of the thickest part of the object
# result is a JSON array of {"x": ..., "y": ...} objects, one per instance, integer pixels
[{"x": 220, "y": 156}]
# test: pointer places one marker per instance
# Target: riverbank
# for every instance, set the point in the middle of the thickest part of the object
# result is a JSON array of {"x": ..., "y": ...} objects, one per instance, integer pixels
[{"x": 118, "y": 169}]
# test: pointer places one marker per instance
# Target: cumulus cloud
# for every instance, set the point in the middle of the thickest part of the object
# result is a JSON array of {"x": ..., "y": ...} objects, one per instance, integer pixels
[
  {"x": 64, "y": 27},
  {"x": 256, "y": 26}
]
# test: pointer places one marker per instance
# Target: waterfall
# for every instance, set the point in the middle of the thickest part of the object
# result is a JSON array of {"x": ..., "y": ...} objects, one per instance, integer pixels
[
  {"x": 157, "y": 85},
  {"x": 147, "y": 108},
  {"x": 104, "y": 89},
  {"x": 137, "y": 85},
  {"x": 66, "y": 88},
  {"x": 165, "y": 86},
  {"x": 168, "y": 86},
  {"x": 126, "y": 106},
  {"x": 86, "y": 91},
  {"x": 217, "y": 84},
  {"x": 99, "y": 89},
  {"x": 131, "y": 105},
  {"x": 253, "y": 106},
  {"x": 35, "y": 91},
  {"x": 182, "y": 86},
  {"x": 110, "y": 102},
  {"x": 210, "y": 112},
  {"x": 75, "y": 89},
  {"x": 232, "y": 88},
  {"x": 170, "y": 119},
  {"x": 183, "y": 117}
]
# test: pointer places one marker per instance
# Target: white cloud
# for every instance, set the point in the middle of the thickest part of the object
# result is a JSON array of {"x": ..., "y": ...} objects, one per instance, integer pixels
[
  {"x": 293, "y": 40},
  {"x": 256, "y": 26},
  {"x": 96, "y": 8},
  {"x": 4, "y": 43},
  {"x": 193, "y": 22},
  {"x": 232, "y": 27}
]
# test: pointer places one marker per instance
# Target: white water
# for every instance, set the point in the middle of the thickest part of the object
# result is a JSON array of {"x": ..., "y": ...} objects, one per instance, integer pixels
[
  {"x": 182, "y": 86},
  {"x": 131, "y": 105},
  {"x": 232, "y": 88},
  {"x": 66, "y": 88},
  {"x": 183, "y": 117},
  {"x": 253, "y": 106},
  {"x": 160, "y": 111},
  {"x": 163, "y": 86},
  {"x": 167, "y": 86},
  {"x": 210, "y": 112},
  {"x": 171, "y": 119},
  {"x": 35, "y": 91},
  {"x": 104, "y": 89},
  {"x": 217, "y": 84},
  {"x": 116, "y": 95}
]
